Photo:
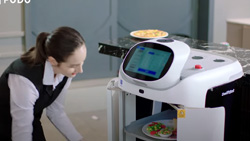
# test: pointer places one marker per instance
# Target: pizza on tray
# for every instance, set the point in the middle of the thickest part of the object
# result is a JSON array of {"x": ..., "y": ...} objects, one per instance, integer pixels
[{"x": 149, "y": 33}]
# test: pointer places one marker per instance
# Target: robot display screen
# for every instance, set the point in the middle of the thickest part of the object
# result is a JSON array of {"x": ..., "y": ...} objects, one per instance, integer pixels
[{"x": 148, "y": 61}]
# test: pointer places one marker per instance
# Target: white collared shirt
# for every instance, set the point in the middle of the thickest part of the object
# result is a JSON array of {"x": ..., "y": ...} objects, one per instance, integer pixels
[{"x": 23, "y": 95}]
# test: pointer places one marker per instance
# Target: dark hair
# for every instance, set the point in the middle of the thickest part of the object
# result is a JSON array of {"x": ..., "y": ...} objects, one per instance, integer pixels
[{"x": 60, "y": 44}]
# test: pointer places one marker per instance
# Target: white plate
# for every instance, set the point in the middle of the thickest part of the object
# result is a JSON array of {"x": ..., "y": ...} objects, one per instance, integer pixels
[
  {"x": 165, "y": 122},
  {"x": 139, "y": 37}
]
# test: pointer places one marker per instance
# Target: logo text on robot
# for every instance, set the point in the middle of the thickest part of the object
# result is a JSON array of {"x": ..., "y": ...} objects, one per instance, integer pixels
[{"x": 227, "y": 92}]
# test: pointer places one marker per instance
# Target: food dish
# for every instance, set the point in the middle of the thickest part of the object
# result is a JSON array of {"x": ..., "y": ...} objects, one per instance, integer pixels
[
  {"x": 165, "y": 123},
  {"x": 166, "y": 132},
  {"x": 148, "y": 34}
]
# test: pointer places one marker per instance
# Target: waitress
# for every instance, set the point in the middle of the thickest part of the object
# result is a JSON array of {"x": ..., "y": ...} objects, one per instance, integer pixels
[{"x": 39, "y": 80}]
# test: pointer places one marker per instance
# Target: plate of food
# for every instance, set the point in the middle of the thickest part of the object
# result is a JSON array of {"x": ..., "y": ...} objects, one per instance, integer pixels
[
  {"x": 162, "y": 129},
  {"x": 148, "y": 34}
]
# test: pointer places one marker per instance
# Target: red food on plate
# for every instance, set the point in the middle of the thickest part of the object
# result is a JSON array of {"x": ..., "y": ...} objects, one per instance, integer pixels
[
  {"x": 151, "y": 125},
  {"x": 153, "y": 132},
  {"x": 163, "y": 126}
]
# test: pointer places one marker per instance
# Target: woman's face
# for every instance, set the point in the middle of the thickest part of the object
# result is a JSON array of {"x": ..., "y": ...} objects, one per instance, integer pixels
[{"x": 73, "y": 64}]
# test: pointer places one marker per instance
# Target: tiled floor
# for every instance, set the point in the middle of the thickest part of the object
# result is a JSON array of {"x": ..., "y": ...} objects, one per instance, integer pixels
[{"x": 86, "y": 107}]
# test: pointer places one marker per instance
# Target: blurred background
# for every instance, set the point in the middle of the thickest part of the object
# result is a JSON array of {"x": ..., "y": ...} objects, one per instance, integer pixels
[{"x": 102, "y": 20}]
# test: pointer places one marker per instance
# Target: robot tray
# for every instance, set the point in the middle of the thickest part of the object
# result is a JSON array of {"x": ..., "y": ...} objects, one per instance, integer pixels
[{"x": 137, "y": 128}]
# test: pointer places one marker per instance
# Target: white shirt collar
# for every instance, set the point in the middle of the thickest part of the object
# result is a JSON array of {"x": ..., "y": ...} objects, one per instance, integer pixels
[{"x": 48, "y": 75}]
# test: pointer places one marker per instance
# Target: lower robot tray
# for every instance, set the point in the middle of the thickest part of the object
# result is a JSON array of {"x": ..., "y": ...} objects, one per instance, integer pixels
[{"x": 135, "y": 128}]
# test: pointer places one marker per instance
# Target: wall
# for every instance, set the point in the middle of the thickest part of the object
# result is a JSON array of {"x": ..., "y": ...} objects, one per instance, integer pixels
[
  {"x": 227, "y": 9},
  {"x": 11, "y": 28},
  {"x": 175, "y": 17},
  {"x": 11, "y": 33},
  {"x": 12, "y": 24}
]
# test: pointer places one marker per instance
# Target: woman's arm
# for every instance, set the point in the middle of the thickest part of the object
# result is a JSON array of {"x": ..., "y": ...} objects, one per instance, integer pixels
[
  {"x": 58, "y": 117},
  {"x": 23, "y": 95}
]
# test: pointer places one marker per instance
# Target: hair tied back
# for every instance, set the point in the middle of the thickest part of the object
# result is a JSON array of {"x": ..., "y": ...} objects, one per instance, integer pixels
[{"x": 48, "y": 39}]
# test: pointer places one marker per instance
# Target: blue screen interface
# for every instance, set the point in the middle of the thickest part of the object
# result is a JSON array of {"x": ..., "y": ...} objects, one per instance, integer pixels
[{"x": 148, "y": 61}]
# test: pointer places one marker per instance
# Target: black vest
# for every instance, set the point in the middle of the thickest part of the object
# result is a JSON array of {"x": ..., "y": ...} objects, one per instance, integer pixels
[{"x": 46, "y": 97}]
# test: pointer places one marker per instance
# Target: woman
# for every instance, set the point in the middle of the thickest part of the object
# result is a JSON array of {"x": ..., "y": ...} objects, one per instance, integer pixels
[{"x": 39, "y": 80}]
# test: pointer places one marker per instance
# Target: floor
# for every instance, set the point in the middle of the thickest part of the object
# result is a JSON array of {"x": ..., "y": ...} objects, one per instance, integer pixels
[{"x": 86, "y": 107}]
